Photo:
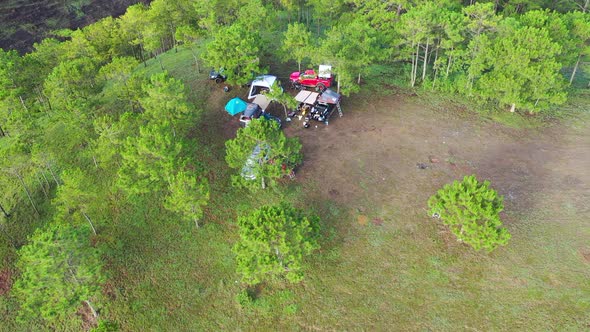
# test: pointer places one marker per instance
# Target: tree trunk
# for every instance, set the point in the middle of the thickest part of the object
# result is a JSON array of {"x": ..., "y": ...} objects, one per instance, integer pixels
[
  {"x": 425, "y": 59},
  {"x": 91, "y": 308},
  {"x": 359, "y": 79},
  {"x": 299, "y": 65},
  {"x": 142, "y": 55},
  {"x": 94, "y": 160},
  {"x": 195, "y": 219},
  {"x": 46, "y": 181},
  {"x": 575, "y": 69},
  {"x": 196, "y": 59},
  {"x": 89, "y": 221},
  {"x": 48, "y": 103},
  {"x": 415, "y": 65},
  {"x": 42, "y": 187},
  {"x": 449, "y": 65},
  {"x": 6, "y": 214},
  {"x": 23, "y": 103},
  {"x": 263, "y": 183},
  {"x": 338, "y": 89},
  {"x": 512, "y": 108},
  {"x": 319, "y": 26},
  {"x": 28, "y": 192},
  {"x": 159, "y": 61},
  {"x": 2, "y": 134},
  {"x": 52, "y": 174}
]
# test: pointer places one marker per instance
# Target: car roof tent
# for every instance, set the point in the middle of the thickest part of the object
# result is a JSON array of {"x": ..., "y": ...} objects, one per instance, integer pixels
[
  {"x": 307, "y": 97},
  {"x": 325, "y": 71},
  {"x": 330, "y": 96},
  {"x": 264, "y": 81}
]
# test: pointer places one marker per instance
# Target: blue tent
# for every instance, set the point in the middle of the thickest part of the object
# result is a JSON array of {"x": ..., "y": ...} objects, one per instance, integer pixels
[{"x": 235, "y": 106}]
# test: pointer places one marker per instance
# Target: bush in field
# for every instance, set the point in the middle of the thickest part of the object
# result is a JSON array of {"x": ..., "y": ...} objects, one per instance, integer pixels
[
  {"x": 273, "y": 242},
  {"x": 471, "y": 210}
]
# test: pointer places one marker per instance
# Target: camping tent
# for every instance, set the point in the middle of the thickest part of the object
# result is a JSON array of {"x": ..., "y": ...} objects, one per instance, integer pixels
[{"x": 235, "y": 106}]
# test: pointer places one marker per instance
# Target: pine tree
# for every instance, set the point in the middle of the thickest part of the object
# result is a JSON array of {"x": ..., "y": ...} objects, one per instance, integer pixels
[
  {"x": 277, "y": 155},
  {"x": 188, "y": 195},
  {"x": 273, "y": 243},
  {"x": 59, "y": 271},
  {"x": 471, "y": 210}
]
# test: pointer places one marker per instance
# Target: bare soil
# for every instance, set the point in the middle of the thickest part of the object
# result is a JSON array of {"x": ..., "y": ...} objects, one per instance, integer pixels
[
  {"x": 397, "y": 151},
  {"x": 5, "y": 281}
]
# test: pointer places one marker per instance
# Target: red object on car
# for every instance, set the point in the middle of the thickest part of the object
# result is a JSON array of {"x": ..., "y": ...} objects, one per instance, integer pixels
[{"x": 310, "y": 79}]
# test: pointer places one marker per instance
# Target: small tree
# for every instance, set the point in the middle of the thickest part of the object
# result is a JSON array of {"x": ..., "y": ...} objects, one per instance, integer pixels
[
  {"x": 273, "y": 242},
  {"x": 188, "y": 195},
  {"x": 278, "y": 154},
  {"x": 296, "y": 43},
  {"x": 471, "y": 210},
  {"x": 277, "y": 94},
  {"x": 236, "y": 50}
]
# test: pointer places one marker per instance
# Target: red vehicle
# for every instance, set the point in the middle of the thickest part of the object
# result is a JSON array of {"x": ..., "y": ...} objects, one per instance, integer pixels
[{"x": 310, "y": 79}]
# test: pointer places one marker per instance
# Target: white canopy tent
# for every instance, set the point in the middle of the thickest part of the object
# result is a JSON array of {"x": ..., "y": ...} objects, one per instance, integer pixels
[{"x": 262, "y": 101}]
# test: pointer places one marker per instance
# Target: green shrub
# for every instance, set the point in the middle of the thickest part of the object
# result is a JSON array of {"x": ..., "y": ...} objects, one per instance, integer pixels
[{"x": 471, "y": 210}]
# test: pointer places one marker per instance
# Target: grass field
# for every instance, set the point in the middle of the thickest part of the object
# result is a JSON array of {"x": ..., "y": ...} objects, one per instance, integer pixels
[{"x": 384, "y": 264}]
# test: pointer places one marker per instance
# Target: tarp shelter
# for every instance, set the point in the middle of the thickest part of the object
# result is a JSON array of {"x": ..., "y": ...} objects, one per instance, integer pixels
[
  {"x": 260, "y": 84},
  {"x": 235, "y": 106},
  {"x": 261, "y": 101},
  {"x": 307, "y": 97}
]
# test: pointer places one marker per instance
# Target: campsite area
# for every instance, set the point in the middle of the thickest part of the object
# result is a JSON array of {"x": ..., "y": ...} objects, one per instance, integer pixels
[{"x": 384, "y": 261}]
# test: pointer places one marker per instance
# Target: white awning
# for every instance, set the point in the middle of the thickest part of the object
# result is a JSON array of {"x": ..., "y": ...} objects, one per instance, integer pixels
[
  {"x": 307, "y": 97},
  {"x": 262, "y": 101}
]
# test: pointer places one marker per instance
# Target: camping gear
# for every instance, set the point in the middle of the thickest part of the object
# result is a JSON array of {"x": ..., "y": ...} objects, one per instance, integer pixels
[
  {"x": 318, "y": 106},
  {"x": 235, "y": 106}
]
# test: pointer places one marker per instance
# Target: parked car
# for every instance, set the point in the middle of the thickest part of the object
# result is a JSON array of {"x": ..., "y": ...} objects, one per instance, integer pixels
[
  {"x": 310, "y": 79},
  {"x": 254, "y": 111}
]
